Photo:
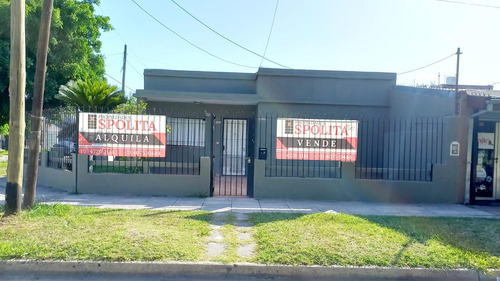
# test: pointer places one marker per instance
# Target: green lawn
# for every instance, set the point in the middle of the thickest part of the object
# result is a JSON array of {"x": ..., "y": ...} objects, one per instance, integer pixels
[
  {"x": 3, "y": 164},
  {"x": 3, "y": 168},
  {"x": 65, "y": 232},
  {"x": 347, "y": 240}
]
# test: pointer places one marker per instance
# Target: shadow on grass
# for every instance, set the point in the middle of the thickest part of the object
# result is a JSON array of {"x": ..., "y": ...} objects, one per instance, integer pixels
[
  {"x": 478, "y": 236},
  {"x": 423, "y": 241}
]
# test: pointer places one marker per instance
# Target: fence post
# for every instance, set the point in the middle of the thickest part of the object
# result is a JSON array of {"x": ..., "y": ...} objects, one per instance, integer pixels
[{"x": 76, "y": 148}]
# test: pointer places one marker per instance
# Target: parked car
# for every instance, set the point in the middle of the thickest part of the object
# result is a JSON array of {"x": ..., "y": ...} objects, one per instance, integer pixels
[
  {"x": 60, "y": 154},
  {"x": 66, "y": 146}
]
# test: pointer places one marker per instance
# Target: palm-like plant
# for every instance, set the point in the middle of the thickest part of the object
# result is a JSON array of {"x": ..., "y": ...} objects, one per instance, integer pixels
[{"x": 91, "y": 94}]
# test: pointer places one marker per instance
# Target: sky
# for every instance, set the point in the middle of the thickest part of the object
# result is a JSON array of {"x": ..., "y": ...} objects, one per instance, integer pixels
[{"x": 353, "y": 35}]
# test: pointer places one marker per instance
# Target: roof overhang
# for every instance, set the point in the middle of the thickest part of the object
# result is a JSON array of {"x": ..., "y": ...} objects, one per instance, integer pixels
[{"x": 198, "y": 97}]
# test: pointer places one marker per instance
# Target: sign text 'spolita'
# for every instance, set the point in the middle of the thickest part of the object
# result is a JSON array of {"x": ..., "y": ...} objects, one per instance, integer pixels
[
  {"x": 316, "y": 139},
  {"x": 121, "y": 135}
]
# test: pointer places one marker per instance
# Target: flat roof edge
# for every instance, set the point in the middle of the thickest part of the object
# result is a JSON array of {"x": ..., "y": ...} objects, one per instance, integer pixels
[
  {"x": 327, "y": 74},
  {"x": 200, "y": 74}
]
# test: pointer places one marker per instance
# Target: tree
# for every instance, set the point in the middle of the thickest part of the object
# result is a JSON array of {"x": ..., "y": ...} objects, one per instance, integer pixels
[
  {"x": 132, "y": 106},
  {"x": 74, "y": 47},
  {"x": 91, "y": 95},
  {"x": 36, "y": 111}
]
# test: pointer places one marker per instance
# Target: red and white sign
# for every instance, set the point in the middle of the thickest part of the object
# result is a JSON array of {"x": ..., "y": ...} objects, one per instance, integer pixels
[
  {"x": 122, "y": 135},
  {"x": 486, "y": 140},
  {"x": 316, "y": 139}
]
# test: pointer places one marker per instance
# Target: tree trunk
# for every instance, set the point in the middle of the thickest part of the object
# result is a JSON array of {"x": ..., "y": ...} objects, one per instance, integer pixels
[
  {"x": 36, "y": 111},
  {"x": 17, "y": 83}
]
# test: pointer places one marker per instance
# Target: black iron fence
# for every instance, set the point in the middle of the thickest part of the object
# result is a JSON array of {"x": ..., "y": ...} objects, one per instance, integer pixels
[
  {"x": 289, "y": 155},
  {"x": 399, "y": 148},
  {"x": 292, "y": 145},
  {"x": 388, "y": 148},
  {"x": 183, "y": 146}
]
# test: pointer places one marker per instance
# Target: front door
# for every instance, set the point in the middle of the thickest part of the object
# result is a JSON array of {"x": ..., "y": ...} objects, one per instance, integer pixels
[
  {"x": 487, "y": 184},
  {"x": 233, "y": 175}
]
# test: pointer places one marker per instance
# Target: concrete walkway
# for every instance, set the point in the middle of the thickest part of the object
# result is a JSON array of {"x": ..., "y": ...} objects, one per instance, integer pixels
[{"x": 248, "y": 205}]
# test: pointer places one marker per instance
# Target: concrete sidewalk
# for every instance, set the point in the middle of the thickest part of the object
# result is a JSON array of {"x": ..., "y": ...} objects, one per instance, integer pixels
[{"x": 248, "y": 205}]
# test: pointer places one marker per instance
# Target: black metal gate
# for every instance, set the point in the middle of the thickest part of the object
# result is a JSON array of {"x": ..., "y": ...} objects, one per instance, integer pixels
[{"x": 232, "y": 173}]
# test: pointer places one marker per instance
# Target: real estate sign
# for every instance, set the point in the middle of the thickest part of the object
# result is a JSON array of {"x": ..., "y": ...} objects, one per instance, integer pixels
[
  {"x": 122, "y": 135},
  {"x": 316, "y": 139}
]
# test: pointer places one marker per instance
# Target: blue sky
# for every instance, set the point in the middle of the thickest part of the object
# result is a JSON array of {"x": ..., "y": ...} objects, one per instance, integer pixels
[{"x": 355, "y": 35}]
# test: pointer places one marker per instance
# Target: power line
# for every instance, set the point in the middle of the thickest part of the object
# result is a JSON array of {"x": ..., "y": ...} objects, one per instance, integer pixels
[
  {"x": 119, "y": 82},
  {"x": 131, "y": 65},
  {"x": 427, "y": 65},
  {"x": 187, "y": 41},
  {"x": 226, "y": 38},
  {"x": 123, "y": 40},
  {"x": 470, "y": 4},
  {"x": 270, "y": 32}
]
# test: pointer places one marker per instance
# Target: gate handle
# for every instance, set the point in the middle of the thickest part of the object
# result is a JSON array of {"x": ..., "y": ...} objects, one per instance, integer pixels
[{"x": 249, "y": 160}]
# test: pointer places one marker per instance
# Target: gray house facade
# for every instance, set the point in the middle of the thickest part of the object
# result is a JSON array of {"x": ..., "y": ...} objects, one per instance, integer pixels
[
  {"x": 403, "y": 134},
  {"x": 301, "y": 134}
]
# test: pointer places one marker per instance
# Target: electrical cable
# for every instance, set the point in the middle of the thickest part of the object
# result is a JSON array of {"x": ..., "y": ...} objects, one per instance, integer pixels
[
  {"x": 427, "y": 65},
  {"x": 123, "y": 40},
  {"x": 270, "y": 32},
  {"x": 226, "y": 38},
  {"x": 187, "y": 41},
  {"x": 471, "y": 4},
  {"x": 116, "y": 80},
  {"x": 131, "y": 65}
]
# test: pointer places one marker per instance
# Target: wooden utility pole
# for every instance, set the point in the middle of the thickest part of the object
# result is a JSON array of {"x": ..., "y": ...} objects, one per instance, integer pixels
[
  {"x": 124, "y": 69},
  {"x": 17, "y": 82},
  {"x": 36, "y": 111}
]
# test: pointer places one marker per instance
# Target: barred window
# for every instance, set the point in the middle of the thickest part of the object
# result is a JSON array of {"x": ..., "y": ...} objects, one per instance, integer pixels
[{"x": 186, "y": 131}]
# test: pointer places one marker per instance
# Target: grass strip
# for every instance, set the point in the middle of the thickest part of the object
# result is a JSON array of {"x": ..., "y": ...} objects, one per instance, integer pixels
[
  {"x": 64, "y": 232},
  {"x": 3, "y": 168},
  {"x": 349, "y": 240}
]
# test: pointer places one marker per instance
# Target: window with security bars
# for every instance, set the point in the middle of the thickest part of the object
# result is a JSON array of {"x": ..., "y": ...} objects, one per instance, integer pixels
[{"x": 186, "y": 131}]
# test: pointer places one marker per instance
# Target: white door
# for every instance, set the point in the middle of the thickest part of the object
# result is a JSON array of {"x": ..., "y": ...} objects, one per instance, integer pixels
[{"x": 234, "y": 149}]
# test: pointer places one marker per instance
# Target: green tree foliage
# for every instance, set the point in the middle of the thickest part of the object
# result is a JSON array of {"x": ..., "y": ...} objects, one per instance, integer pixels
[
  {"x": 132, "y": 106},
  {"x": 73, "y": 48},
  {"x": 92, "y": 95},
  {"x": 4, "y": 129}
]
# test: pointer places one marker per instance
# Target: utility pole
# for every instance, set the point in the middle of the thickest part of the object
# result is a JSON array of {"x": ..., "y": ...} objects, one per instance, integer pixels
[
  {"x": 17, "y": 82},
  {"x": 457, "y": 105},
  {"x": 124, "y": 68},
  {"x": 36, "y": 111}
]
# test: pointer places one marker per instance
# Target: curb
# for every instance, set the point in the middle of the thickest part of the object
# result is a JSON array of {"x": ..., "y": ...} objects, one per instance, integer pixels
[{"x": 218, "y": 270}]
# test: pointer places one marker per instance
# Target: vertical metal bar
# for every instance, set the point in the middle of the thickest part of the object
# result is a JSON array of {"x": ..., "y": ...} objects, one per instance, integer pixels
[
  {"x": 433, "y": 142},
  {"x": 281, "y": 160},
  {"x": 442, "y": 140},
  {"x": 426, "y": 145},
  {"x": 244, "y": 153},
  {"x": 379, "y": 166},
  {"x": 274, "y": 149},
  {"x": 416, "y": 150},
  {"x": 409, "y": 150},
  {"x": 289, "y": 161},
  {"x": 421, "y": 147},
  {"x": 382, "y": 148},
  {"x": 399, "y": 147},
  {"x": 372, "y": 140}
]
